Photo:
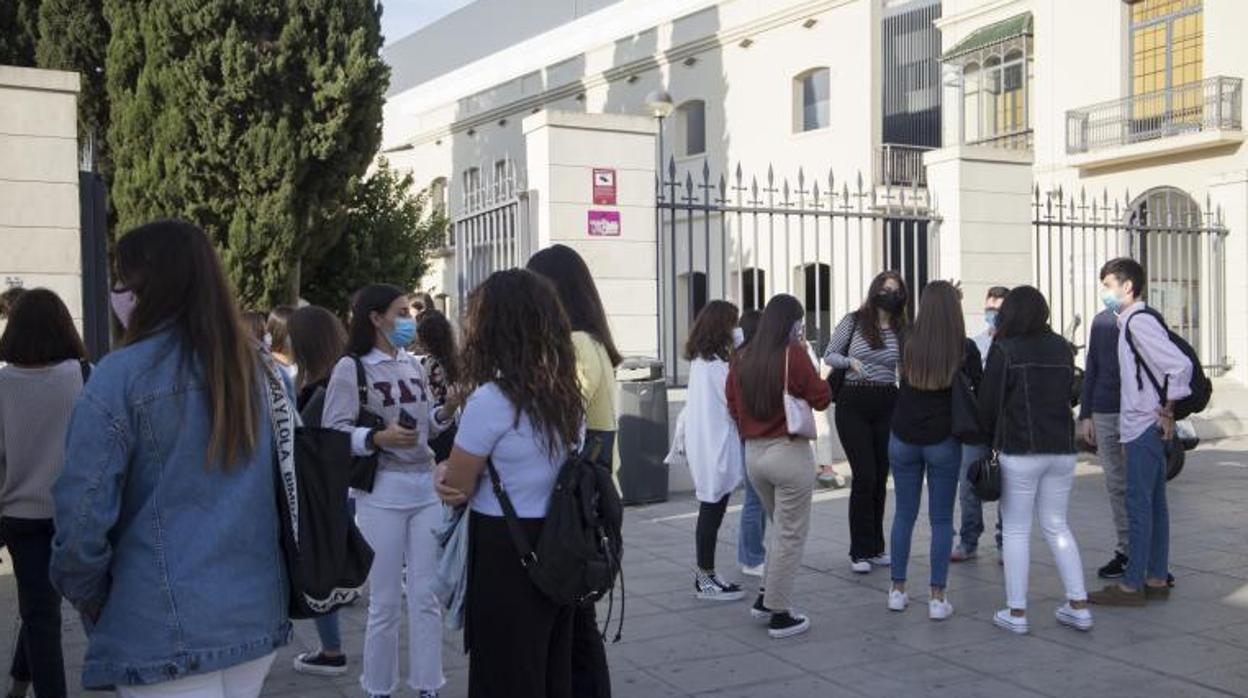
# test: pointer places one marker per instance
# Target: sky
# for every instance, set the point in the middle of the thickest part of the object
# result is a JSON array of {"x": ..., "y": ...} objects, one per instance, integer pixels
[{"x": 402, "y": 17}]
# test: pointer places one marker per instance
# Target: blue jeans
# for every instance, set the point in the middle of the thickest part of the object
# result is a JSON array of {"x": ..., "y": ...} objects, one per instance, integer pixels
[
  {"x": 972, "y": 507},
  {"x": 327, "y": 630},
  {"x": 750, "y": 551},
  {"x": 1147, "y": 515},
  {"x": 941, "y": 463}
]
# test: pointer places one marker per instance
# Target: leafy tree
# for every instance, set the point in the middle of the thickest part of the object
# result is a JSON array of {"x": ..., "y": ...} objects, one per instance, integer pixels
[
  {"x": 74, "y": 36},
  {"x": 388, "y": 237},
  {"x": 19, "y": 32},
  {"x": 250, "y": 118}
]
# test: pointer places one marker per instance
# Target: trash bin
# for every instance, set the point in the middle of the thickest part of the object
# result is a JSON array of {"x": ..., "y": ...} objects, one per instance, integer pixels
[{"x": 643, "y": 439}]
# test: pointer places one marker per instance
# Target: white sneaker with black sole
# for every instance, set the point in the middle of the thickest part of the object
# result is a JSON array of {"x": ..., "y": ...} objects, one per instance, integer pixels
[
  {"x": 787, "y": 624},
  {"x": 897, "y": 600},
  {"x": 1005, "y": 619},
  {"x": 939, "y": 609},
  {"x": 1077, "y": 618},
  {"x": 709, "y": 587}
]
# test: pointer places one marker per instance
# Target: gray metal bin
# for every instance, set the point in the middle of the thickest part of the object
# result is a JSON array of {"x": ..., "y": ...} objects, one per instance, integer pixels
[{"x": 643, "y": 434}]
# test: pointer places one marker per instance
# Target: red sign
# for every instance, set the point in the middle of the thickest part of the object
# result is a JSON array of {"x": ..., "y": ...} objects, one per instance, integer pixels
[{"x": 604, "y": 187}]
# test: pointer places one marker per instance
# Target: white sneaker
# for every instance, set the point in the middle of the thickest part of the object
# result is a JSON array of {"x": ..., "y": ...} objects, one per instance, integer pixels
[
  {"x": 881, "y": 560},
  {"x": 939, "y": 609},
  {"x": 755, "y": 571},
  {"x": 1077, "y": 618},
  {"x": 897, "y": 600},
  {"x": 860, "y": 566},
  {"x": 1004, "y": 619}
]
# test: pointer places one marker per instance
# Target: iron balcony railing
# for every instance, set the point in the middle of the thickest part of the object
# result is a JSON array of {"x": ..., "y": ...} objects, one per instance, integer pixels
[
  {"x": 902, "y": 165},
  {"x": 1207, "y": 105}
]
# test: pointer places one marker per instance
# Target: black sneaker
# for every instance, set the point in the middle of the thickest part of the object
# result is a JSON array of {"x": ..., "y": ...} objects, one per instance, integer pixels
[
  {"x": 759, "y": 610},
  {"x": 318, "y": 664},
  {"x": 1115, "y": 568},
  {"x": 785, "y": 624},
  {"x": 709, "y": 587}
]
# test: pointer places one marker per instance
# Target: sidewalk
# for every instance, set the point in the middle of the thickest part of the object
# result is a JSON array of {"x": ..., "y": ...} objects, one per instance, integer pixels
[{"x": 1194, "y": 645}]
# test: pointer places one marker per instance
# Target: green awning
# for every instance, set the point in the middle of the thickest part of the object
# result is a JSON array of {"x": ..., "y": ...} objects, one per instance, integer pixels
[{"x": 1018, "y": 25}]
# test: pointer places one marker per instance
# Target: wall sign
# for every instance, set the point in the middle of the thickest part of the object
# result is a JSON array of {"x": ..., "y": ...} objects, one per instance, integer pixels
[
  {"x": 604, "y": 187},
  {"x": 604, "y": 223}
]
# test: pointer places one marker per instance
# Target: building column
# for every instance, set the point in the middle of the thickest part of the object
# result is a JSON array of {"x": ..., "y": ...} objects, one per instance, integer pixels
[
  {"x": 571, "y": 157},
  {"x": 1229, "y": 192},
  {"x": 984, "y": 198}
]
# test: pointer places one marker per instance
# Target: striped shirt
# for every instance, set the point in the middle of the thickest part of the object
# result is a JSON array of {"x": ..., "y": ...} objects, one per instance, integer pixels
[{"x": 878, "y": 365}]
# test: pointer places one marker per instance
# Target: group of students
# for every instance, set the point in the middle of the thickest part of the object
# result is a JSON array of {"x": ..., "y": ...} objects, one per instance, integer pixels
[
  {"x": 897, "y": 382},
  {"x": 143, "y": 490}
]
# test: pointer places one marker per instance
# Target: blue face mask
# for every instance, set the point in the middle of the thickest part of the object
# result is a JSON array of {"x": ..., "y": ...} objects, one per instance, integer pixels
[
  {"x": 990, "y": 318},
  {"x": 403, "y": 333},
  {"x": 1112, "y": 300}
]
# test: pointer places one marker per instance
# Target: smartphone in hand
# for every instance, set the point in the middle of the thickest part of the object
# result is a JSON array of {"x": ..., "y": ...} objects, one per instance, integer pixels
[{"x": 406, "y": 420}]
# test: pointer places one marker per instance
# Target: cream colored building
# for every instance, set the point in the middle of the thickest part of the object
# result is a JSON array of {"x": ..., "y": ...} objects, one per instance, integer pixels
[
  {"x": 1065, "y": 132},
  {"x": 39, "y": 221}
]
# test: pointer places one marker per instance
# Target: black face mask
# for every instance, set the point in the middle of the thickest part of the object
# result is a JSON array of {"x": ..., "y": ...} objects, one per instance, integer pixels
[{"x": 890, "y": 301}]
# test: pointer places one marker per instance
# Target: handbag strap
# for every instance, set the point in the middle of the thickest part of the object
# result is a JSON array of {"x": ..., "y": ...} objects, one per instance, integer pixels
[
  {"x": 284, "y": 420},
  {"x": 361, "y": 382},
  {"x": 518, "y": 538}
]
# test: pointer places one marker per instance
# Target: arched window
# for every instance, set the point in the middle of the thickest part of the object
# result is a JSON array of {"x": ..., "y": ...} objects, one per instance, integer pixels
[
  {"x": 1165, "y": 233},
  {"x": 812, "y": 95},
  {"x": 437, "y": 196},
  {"x": 970, "y": 102},
  {"x": 753, "y": 288},
  {"x": 691, "y": 125}
]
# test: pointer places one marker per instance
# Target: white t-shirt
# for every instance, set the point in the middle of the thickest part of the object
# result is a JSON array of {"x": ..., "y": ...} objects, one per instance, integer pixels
[{"x": 488, "y": 429}]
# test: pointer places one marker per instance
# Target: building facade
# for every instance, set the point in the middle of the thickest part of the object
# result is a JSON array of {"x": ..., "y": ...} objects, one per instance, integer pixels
[{"x": 813, "y": 142}]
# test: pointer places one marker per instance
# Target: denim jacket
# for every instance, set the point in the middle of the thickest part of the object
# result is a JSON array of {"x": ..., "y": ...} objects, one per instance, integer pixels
[
  {"x": 181, "y": 560},
  {"x": 1026, "y": 393}
]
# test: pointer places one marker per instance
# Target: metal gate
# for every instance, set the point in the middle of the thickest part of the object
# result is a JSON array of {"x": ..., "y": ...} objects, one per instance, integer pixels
[
  {"x": 1180, "y": 245},
  {"x": 821, "y": 240},
  {"x": 491, "y": 229}
]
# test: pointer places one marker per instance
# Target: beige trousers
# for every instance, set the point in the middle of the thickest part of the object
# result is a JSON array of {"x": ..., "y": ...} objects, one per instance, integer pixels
[{"x": 780, "y": 471}]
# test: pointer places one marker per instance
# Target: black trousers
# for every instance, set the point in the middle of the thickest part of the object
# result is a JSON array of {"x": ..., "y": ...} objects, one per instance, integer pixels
[
  {"x": 864, "y": 415},
  {"x": 710, "y": 517},
  {"x": 591, "y": 678},
  {"x": 519, "y": 642},
  {"x": 37, "y": 657}
]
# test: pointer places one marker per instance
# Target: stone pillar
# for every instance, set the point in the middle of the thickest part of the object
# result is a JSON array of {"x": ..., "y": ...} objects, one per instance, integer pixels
[
  {"x": 39, "y": 219},
  {"x": 1229, "y": 192},
  {"x": 618, "y": 241},
  {"x": 984, "y": 197}
]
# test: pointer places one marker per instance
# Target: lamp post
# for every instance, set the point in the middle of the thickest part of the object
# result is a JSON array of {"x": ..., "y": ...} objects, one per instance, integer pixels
[{"x": 660, "y": 105}]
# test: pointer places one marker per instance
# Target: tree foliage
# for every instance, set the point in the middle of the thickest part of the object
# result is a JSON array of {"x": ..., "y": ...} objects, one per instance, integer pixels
[
  {"x": 252, "y": 119},
  {"x": 19, "y": 32},
  {"x": 387, "y": 237},
  {"x": 74, "y": 36}
]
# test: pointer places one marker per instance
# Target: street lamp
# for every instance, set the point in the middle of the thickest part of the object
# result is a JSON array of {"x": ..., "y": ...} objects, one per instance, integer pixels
[
  {"x": 660, "y": 105},
  {"x": 659, "y": 102}
]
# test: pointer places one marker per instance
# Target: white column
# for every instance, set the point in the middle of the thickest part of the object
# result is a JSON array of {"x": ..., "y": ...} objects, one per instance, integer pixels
[
  {"x": 1230, "y": 193},
  {"x": 563, "y": 149}
]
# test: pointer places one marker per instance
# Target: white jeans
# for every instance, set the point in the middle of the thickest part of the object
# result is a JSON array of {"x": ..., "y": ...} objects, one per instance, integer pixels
[
  {"x": 241, "y": 681},
  {"x": 1028, "y": 481},
  {"x": 398, "y": 536}
]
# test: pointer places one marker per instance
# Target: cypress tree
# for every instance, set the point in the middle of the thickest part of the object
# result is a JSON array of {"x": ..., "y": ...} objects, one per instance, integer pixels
[
  {"x": 248, "y": 118},
  {"x": 19, "y": 32},
  {"x": 74, "y": 36}
]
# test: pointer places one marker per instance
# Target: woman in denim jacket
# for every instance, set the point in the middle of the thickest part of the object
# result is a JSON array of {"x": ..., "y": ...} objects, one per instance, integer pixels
[{"x": 167, "y": 533}]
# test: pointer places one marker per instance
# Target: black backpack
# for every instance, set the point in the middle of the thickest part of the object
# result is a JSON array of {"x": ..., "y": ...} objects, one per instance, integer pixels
[
  {"x": 1202, "y": 387},
  {"x": 577, "y": 558}
]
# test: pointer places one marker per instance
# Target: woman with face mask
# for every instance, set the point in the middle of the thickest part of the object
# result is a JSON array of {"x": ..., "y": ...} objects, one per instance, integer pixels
[
  {"x": 167, "y": 536},
  {"x": 867, "y": 345},
  {"x": 398, "y": 514}
]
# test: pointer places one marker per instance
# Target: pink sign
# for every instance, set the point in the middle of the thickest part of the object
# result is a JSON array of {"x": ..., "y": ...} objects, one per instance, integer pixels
[
  {"x": 604, "y": 187},
  {"x": 604, "y": 223}
]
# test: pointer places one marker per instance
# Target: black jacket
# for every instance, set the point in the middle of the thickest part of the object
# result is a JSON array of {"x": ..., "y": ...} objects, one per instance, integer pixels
[
  {"x": 1029, "y": 380},
  {"x": 925, "y": 417}
]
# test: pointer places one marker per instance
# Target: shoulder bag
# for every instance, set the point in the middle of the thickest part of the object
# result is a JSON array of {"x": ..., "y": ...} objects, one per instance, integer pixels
[
  {"x": 364, "y": 468},
  {"x": 836, "y": 379},
  {"x": 798, "y": 416},
  {"x": 984, "y": 474}
]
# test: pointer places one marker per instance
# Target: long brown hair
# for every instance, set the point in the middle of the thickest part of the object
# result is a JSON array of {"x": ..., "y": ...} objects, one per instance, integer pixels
[
  {"x": 317, "y": 341},
  {"x": 711, "y": 335},
  {"x": 176, "y": 276},
  {"x": 518, "y": 336},
  {"x": 936, "y": 346},
  {"x": 438, "y": 340},
  {"x": 868, "y": 320},
  {"x": 564, "y": 268},
  {"x": 760, "y": 363}
]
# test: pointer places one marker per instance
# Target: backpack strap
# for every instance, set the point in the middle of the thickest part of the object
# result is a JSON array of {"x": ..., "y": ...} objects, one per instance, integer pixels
[
  {"x": 1139, "y": 361},
  {"x": 85, "y": 366},
  {"x": 518, "y": 537},
  {"x": 361, "y": 383}
]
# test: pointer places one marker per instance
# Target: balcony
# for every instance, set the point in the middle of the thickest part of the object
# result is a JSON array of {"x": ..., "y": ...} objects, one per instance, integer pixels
[
  {"x": 1194, "y": 116},
  {"x": 901, "y": 166}
]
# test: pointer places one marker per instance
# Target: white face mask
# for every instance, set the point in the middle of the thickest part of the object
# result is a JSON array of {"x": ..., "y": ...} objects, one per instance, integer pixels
[
  {"x": 268, "y": 341},
  {"x": 798, "y": 333},
  {"x": 738, "y": 337}
]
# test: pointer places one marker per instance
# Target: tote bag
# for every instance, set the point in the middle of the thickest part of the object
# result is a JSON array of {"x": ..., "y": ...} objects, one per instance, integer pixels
[{"x": 798, "y": 416}]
